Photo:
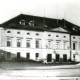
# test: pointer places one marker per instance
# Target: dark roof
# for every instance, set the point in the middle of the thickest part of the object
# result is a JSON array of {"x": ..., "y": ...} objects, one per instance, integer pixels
[{"x": 39, "y": 24}]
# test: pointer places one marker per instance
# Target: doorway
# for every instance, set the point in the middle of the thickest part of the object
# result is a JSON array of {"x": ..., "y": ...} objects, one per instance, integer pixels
[
  {"x": 64, "y": 58},
  {"x": 49, "y": 58}
]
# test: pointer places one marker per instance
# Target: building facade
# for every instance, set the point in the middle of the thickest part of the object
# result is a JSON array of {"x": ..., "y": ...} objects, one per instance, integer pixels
[{"x": 22, "y": 39}]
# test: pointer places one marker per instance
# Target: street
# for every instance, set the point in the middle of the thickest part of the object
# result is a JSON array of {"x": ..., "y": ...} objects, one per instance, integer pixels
[{"x": 32, "y": 73}]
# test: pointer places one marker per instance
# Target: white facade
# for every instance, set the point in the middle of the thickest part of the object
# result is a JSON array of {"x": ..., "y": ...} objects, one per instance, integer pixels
[{"x": 48, "y": 43}]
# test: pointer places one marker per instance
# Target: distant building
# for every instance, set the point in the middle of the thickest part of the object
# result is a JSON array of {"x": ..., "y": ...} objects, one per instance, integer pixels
[{"x": 26, "y": 37}]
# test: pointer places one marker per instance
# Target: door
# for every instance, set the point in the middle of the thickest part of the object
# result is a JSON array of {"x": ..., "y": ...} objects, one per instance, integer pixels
[
  {"x": 64, "y": 58},
  {"x": 57, "y": 57},
  {"x": 49, "y": 57},
  {"x": 18, "y": 55}
]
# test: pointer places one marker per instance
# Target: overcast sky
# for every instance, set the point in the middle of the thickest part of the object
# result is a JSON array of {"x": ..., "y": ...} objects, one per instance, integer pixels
[{"x": 67, "y": 9}]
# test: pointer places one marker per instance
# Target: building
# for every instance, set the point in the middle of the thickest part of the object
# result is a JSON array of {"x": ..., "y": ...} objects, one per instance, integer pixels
[{"x": 27, "y": 37}]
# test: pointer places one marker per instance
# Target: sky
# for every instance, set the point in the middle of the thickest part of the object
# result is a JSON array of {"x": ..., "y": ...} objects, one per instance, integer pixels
[{"x": 58, "y": 9}]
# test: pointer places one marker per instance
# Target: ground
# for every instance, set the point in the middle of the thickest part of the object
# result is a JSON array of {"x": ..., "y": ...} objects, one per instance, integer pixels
[{"x": 37, "y": 70}]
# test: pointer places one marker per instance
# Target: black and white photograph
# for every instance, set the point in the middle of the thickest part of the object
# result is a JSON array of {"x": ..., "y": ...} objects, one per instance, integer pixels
[{"x": 40, "y": 39}]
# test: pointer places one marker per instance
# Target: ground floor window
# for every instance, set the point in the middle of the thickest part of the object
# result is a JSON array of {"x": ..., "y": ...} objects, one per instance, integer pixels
[
  {"x": 27, "y": 55},
  {"x": 37, "y": 55},
  {"x": 18, "y": 55},
  {"x": 57, "y": 57},
  {"x": 8, "y": 55}
]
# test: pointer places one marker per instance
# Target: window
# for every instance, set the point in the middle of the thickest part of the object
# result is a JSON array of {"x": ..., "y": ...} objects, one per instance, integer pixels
[
  {"x": 79, "y": 45},
  {"x": 73, "y": 37},
  {"x": 31, "y": 23},
  {"x": 37, "y": 34},
  {"x": 37, "y": 43},
  {"x": 8, "y": 31},
  {"x": 22, "y": 22},
  {"x": 57, "y": 36},
  {"x": 64, "y": 36},
  {"x": 28, "y": 33},
  {"x": 27, "y": 55},
  {"x": 18, "y": 55},
  {"x": 37, "y": 55},
  {"x": 64, "y": 45},
  {"x": 57, "y": 45},
  {"x": 74, "y": 46},
  {"x": 49, "y": 34},
  {"x": 18, "y": 42},
  {"x": 8, "y": 42},
  {"x": 18, "y": 32},
  {"x": 28, "y": 43},
  {"x": 49, "y": 44},
  {"x": 8, "y": 55}
]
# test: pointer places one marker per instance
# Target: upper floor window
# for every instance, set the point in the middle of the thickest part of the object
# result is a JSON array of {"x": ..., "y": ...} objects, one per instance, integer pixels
[
  {"x": 28, "y": 43},
  {"x": 74, "y": 46},
  {"x": 8, "y": 31},
  {"x": 22, "y": 22},
  {"x": 9, "y": 41},
  {"x": 18, "y": 42},
  {"x": 37, "y": 43},
  {"x": 57, "y": 44},
  {"x": 64, "y": 45}
]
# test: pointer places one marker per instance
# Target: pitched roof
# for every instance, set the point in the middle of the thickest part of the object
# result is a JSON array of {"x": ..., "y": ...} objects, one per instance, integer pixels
[{"x": 39, "y": 24}]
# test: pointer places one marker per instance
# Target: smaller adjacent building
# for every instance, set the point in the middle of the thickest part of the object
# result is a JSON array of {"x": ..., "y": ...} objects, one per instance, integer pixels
[{"x": 25, "y": 37}]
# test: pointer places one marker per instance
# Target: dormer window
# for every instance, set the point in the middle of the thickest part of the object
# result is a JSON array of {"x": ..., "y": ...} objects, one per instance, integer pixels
[
  {"x": 31, "y": 23},
  {"x": 75, "y": 29},
  {"x": 22, "y": 22},
  {"x": 8, "y": 31}
]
